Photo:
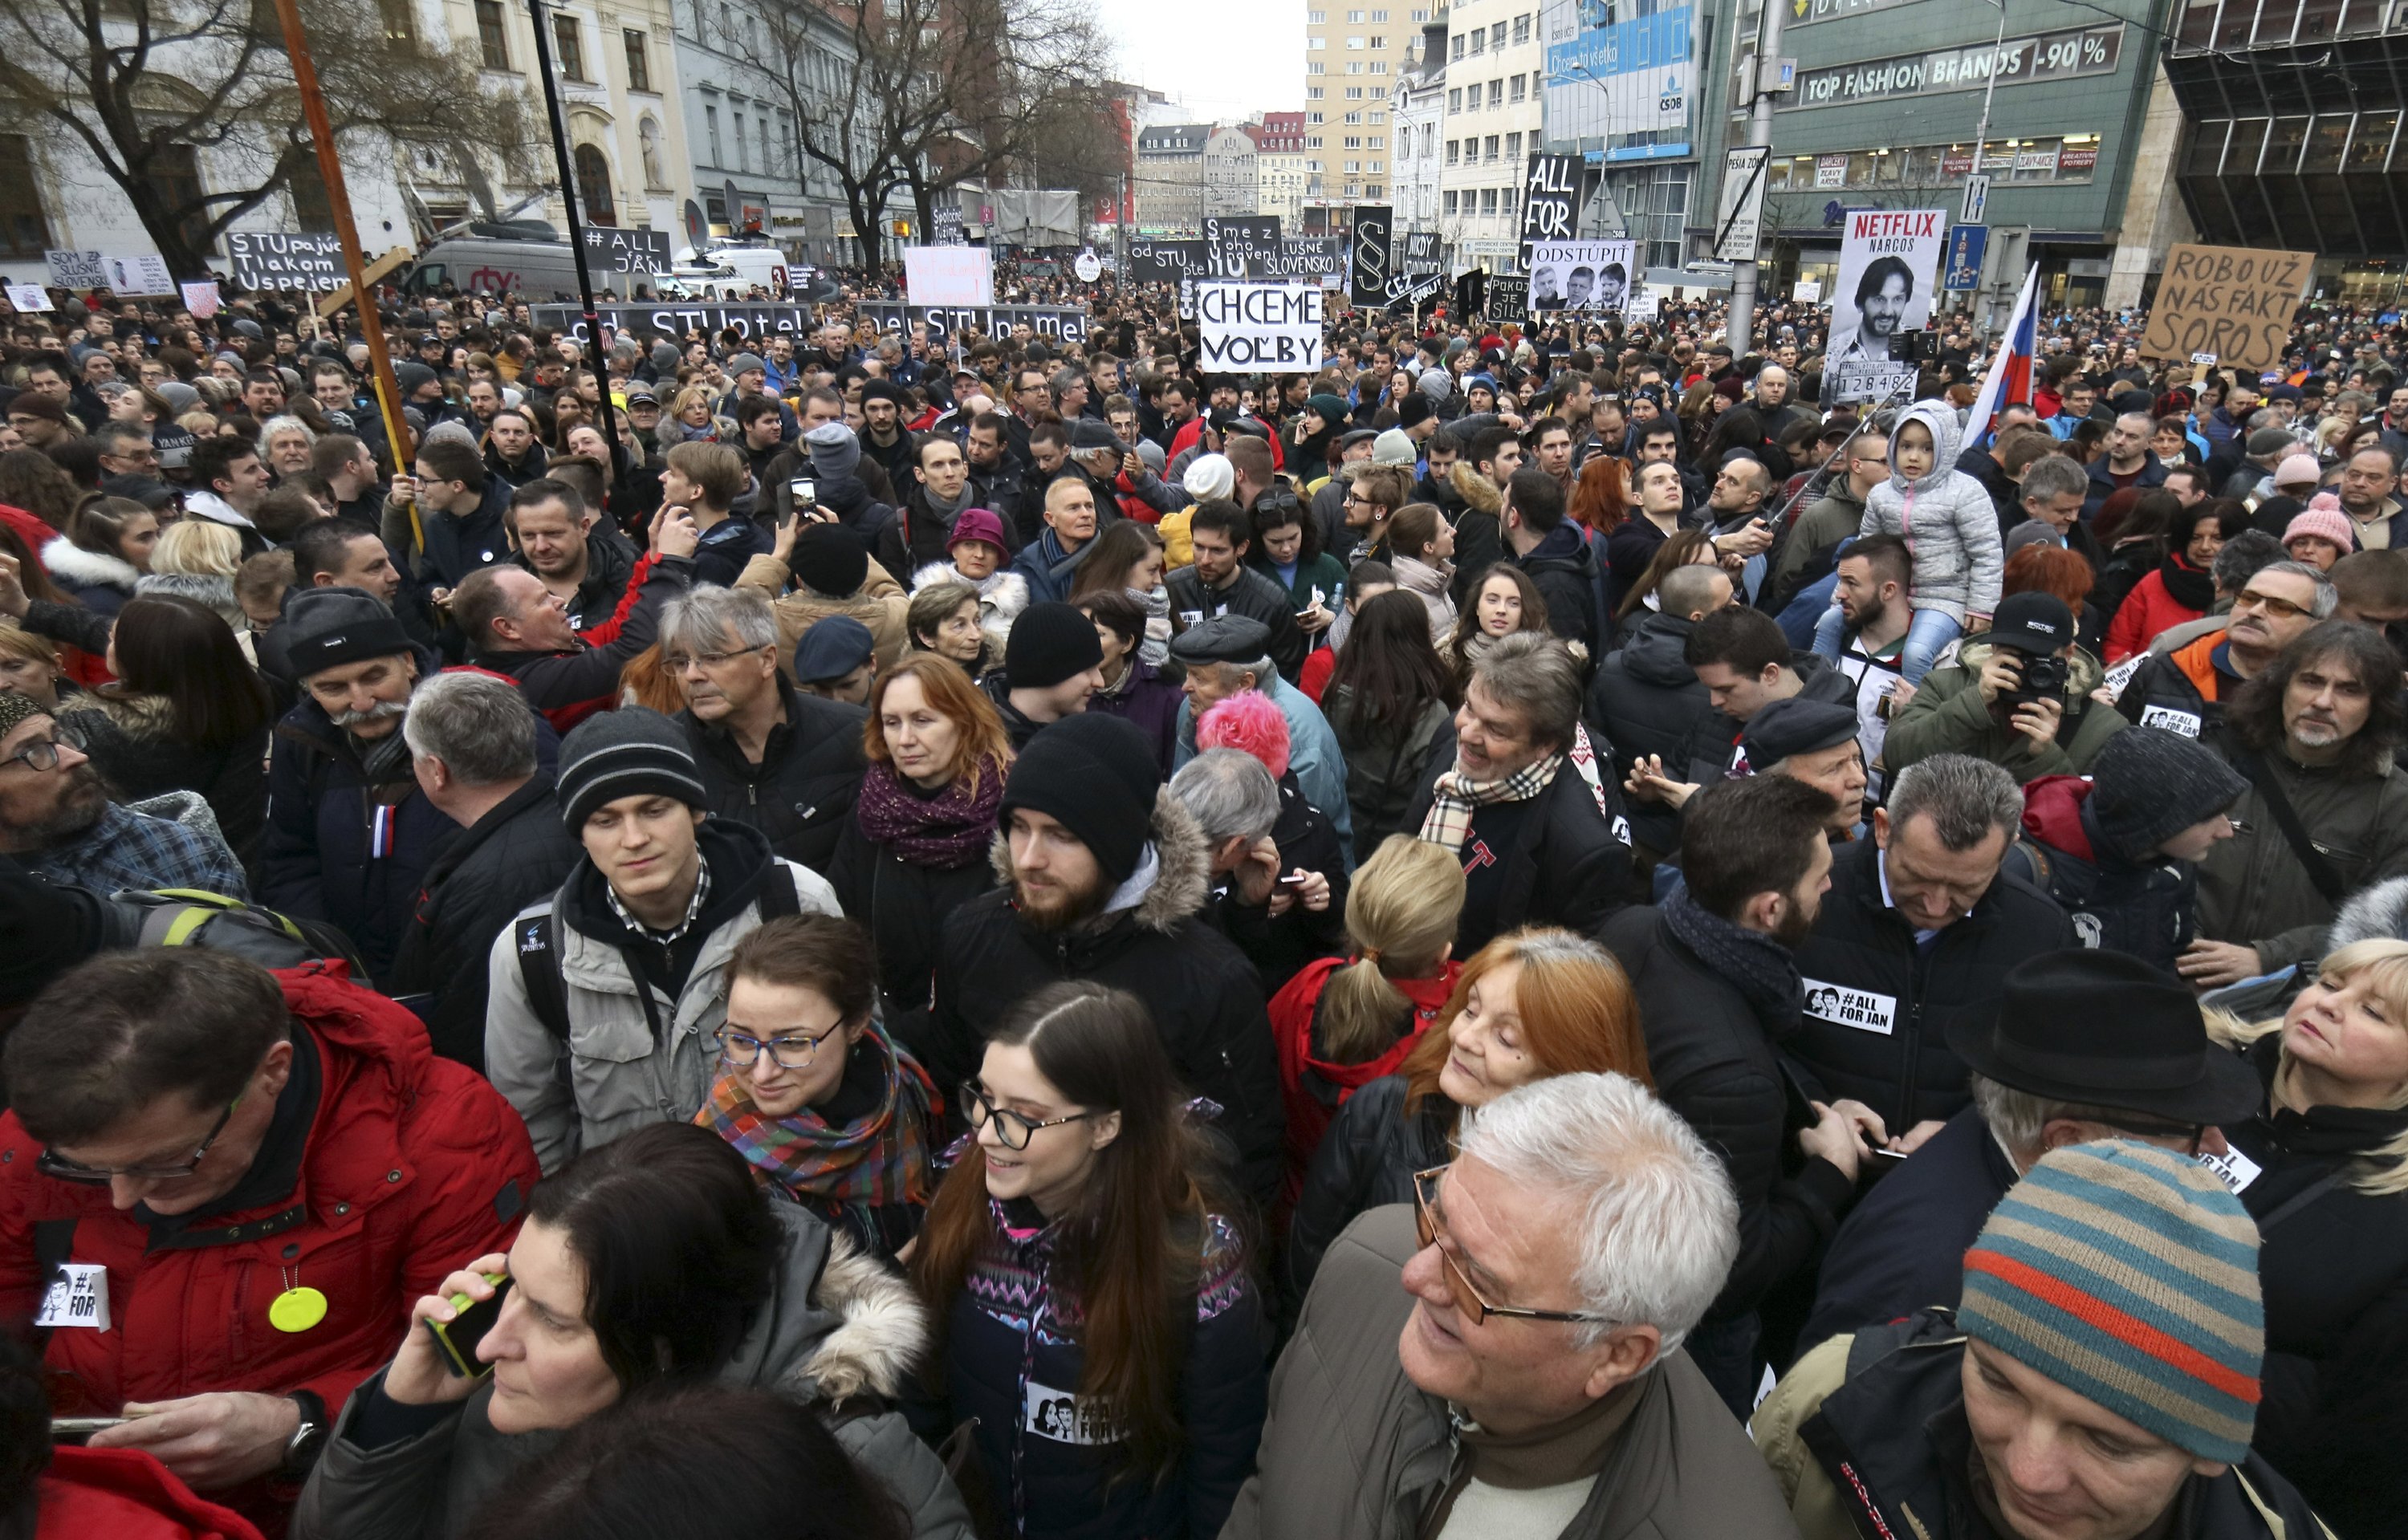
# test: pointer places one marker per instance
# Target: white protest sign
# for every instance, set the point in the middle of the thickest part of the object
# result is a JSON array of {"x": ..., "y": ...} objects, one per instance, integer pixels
[
  {"x": 76, "y": 269},
  {"x": 28, "y": 297},
  {"x": 201, "y": 298},
  {"x": 1275, "y": 326},
  {"x": 146, "y": 274},
  {"x": 948, "y": 275}
]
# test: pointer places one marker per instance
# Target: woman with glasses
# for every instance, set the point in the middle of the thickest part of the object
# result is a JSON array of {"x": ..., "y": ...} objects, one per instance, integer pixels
[
  {"x": 814, "y": 1096},
  {"x": 916, "y": 846},
  {"x": 1099, "y": 1325},
  {"x": 1529, "y": 1004},
  {"x": 648, "y": 1264}
]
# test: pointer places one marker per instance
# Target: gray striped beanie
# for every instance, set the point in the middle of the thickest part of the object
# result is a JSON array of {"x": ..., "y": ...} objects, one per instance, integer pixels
[{"x": 630, "y": 752}]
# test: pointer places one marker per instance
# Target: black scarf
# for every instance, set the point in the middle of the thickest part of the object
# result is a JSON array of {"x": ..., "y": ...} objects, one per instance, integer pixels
[
  {"x": 2189, "y": 586},
  {"x": 1759, "y": 967}
]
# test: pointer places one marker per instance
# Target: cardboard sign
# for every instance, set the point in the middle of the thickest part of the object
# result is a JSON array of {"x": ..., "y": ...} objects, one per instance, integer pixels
[
  {"x": 201, "y": 298},
  {"x": 27, "y": 298},
  {"x": 2233, "y": 300},
  {"x": 1269, "y": 326},
  {"x": 76, "y": 269},
  {"x": 948, "y": 275},
  {"x": 268, "y": 260}
]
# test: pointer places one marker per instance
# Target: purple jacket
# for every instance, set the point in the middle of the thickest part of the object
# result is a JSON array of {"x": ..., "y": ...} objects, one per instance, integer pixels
[{"x": 1149, "y": 700}]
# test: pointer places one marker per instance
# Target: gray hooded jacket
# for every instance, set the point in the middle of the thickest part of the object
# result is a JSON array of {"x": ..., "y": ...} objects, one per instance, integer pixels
[{"x": 1949, "y": 523}]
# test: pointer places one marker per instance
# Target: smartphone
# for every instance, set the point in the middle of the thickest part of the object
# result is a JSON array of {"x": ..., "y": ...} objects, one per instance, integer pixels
[
  {"x": 805, "y": 492},
  {"x": 83, "y": 1427},
  {"x": 1891, "y": 1154},
  {"x": 457, "y": 1338},
  {"x": 1291, "y": 880}
]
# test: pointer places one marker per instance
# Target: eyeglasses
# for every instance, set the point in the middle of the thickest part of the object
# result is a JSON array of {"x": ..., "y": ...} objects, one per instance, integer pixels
[
  {"x": 43, "y": 753},
  {"x": 62, "y": 1169},
  {"x": 796, "y": 1051},
  {"x": 1459, "y": 1287},
  {"x": 2282, "y": 609},
  {"x": 676, "y": 663},
  {"x": 1010, "y": 1127},
  {"x": 2190, "y": 1135}
]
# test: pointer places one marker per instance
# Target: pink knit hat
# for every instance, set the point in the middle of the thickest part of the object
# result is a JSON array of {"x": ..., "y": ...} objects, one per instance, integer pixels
[
  {"x": 2297, "y": 469},
  {"x": 2323, "y": 519}
]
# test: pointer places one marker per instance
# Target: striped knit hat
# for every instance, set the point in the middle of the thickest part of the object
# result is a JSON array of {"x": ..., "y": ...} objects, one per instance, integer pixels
[
  {"x": 2128, "y": 1275},
  {"x": 628, "y": 752}
]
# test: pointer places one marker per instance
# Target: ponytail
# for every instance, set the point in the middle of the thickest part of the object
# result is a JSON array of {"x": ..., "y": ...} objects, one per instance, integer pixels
[{"x": 1400, "y": 919}]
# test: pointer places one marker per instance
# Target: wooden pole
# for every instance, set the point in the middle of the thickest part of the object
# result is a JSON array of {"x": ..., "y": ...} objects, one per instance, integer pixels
[{"x": 330, "y": 168}]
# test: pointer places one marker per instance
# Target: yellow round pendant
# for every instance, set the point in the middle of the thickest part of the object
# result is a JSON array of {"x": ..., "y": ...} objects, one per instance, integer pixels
[{"x": 296, "y": 1309}]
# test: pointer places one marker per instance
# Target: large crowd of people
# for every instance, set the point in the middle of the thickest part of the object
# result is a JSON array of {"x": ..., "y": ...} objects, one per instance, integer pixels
[{"x": 867, "y": 933}]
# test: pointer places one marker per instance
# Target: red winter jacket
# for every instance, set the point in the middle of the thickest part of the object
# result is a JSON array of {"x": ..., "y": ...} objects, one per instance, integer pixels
[
  {"x": 2146, "y": 611},
  {"x": 126, "y": 1494},
  {"x": 1314, "y": 1089},
  {"x": 413, "y": 1165}
]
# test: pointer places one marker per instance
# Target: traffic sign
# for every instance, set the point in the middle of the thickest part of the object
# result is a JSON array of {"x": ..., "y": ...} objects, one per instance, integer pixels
[
  {"x": 1962, "y": 268},
  {"x": 1977, "y": 199}
]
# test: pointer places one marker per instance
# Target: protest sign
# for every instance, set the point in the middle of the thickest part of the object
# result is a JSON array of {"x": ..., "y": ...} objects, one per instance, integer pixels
[
  {"x": 143, "y": 274},
  {"x": 76, "y": 269},
  {"x": 28, "y": 297},
  {"x": 2233, "y": 300},
  {"x": 201, "y": 298},
  {"x": 1591, "y": 278},
  {"x": 1234, "y": 247},
  {"x": 1275, "y": 326},
  {"x": 268, "y": 260},
  {"x": 1057, "y": 323},
  {"x": 1550, "y": 201},
  {"x": 620, "y": 250},
  {"x": 1888, "y": 259},
  {"x": 948, "y": 275},
  {"x": 1165, "y": 261},
  {"x": 1368, "y": 266},
  {"x": 1506, "y": 299}
]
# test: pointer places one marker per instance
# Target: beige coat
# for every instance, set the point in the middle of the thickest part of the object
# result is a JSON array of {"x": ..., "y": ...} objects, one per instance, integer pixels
[{"x": 878, "y": 604}]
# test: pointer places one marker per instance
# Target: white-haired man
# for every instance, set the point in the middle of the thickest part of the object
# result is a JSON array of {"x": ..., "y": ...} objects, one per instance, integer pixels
[{"x": 1522, "y": 1380}]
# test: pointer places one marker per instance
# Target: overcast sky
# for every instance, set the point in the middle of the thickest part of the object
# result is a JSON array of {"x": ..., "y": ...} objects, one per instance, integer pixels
[{"x": 1227, "y": 59}]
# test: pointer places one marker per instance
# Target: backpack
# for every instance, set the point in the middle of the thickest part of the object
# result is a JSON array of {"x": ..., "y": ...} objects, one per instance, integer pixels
[
  {"x": 539, "y": 948},
  {"x": 192, "y": 916}
]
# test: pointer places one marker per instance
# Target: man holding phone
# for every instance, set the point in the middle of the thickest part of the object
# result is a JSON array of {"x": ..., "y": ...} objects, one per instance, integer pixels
[{"x": 220, "y": 1190}]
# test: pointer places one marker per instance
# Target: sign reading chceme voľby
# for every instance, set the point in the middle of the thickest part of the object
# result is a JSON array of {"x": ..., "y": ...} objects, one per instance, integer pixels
[{"x": 270, "y": 260}]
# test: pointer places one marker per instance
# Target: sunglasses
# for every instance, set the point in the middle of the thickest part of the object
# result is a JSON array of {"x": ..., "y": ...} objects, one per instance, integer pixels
[{"x": 1468, "y": 1299}]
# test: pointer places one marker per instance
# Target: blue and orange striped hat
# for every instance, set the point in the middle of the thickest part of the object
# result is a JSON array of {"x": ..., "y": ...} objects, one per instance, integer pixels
[{"x": 2128, "y": 1275}]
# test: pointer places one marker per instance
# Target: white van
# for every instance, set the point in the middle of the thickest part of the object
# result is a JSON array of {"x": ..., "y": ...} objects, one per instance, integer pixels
[{"x": 764, "y": 265}]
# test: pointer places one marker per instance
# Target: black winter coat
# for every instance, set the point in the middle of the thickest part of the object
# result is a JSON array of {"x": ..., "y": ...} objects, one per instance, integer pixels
[
  {"x": 1564, "y": 570},
  {"x": 2160, "y": 694},
  {"x": 516, "y": 853},
  {"x": 319, "y": 862},
  {"x": 1646, "y": 700},
  {"x": 1569, "y": 864},
  {"x": 1383, "y": 766},
  {"x": 2332, "y": 1262},
  {"x": 1251, "y": 594},
  {"x": 904, "y": 904},
  {"x": 1862, "y": 958},
  {"x": 802, "y": 792},
  {"x": 1365, "y": 1161},
  {"x": 1279, "y": 947},
  {"x": 1707, "y": 755},
  {"x": 1719, "y": 1065},
  {"x": 1205, "y": 998}
]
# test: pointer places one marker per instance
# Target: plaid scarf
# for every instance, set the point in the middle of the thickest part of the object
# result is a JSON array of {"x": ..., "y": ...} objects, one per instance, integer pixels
[
  {"x": 876, "y": 1159},
  {"x": 1455, "y": 798}
]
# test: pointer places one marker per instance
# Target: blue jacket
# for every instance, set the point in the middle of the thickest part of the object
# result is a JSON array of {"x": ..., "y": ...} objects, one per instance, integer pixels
[
  {"x": 1048, "y": 569},
  {"x": 1312, "y": 753}
]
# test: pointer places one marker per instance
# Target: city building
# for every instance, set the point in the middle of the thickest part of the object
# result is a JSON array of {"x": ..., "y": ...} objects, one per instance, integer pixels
[
  {"x": 1628, "y": 89},
  {"x": 737, "y": 97},
  {"x": 1230, "y": 171},
  {"x": 2295, "y": 136},
  {"x": 1352, "y": 57},
  {"x": 1887, "y": 109},
  {"x": 1417, "y": 113},
  {"x": 1169, "y": 180},
  {"x": 1280, "y": 178},
  {"x": 1494, "y": 116}
]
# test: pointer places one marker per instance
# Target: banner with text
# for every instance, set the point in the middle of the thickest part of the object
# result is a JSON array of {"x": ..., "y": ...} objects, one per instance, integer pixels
[
  {"x": 1165, "y": 261},
  {"x": 267, "y": 260},
  {"x": 948, "y": 275},
  {"x": 1889, "y": 260},
  {"x": 1269, "y": 326},
  {"x": 1550, "y": 201},
  {"x": 619, "y": 250},
  {"x": 2233, "y": 300},
  {"x": 1233, "y": 248},
  {"x": 762, "y": 322},
  {"x": 1627, "y": 82},
  {"x": 1591, "y": 278}
]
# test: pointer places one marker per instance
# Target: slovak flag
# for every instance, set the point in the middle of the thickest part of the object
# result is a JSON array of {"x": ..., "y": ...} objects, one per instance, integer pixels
[{"x": 2011, "y": 373}]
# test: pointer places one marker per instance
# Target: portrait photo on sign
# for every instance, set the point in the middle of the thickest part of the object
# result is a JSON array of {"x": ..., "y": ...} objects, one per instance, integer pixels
[
  {"x": 1889, "y": 262},
  {"x": 1588, "y": 277}
]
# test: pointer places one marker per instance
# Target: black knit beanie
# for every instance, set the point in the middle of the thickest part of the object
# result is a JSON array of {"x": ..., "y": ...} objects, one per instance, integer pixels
[
  {"x": 1051, "y": 642},
  {"x": 1096, "y": 775},
  {"x": 2147, "y": 785},
  {"x": 828, "y": 558}
]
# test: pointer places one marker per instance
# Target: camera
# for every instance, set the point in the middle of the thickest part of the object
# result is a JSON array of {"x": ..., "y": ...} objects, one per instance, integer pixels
[{"x": 2041, "y": 679}]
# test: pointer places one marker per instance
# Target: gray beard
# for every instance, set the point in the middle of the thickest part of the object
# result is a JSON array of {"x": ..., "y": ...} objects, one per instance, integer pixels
[{"x": 78, "y": 810}]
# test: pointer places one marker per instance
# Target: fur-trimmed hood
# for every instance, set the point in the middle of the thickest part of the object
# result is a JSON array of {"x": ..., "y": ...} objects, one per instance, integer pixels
[
  {"x": 1001, "y": 598},
  {"x": 1181, "y": 878},
  {"x": 71, "y": 563},
  {"x": 838, "y": 1325},
  {"x": 1478, "y": 493},
  {"x": 2380, "y": 913}
]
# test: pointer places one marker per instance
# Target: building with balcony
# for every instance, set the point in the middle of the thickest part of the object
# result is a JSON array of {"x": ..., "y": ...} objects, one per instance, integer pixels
[{"x": 1416, "y": 112}]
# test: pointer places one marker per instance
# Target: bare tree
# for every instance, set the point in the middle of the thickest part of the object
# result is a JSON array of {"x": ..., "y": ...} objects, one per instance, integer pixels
[
  {"x": 148, "y": 86},
  {"x": 923, "y": 95}
]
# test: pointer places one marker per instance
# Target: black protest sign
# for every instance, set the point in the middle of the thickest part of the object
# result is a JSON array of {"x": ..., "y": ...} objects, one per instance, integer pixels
[
  {"x": 750, "y": 322},
  {"x": 1233, "y": 248},
  {"x": 1165, "y": 261},
  {"x": 268, "y": 260},
  {"x": 1063, "y": 324},
  {"x": 1419, "y": 256},
  {"x": 627, "y": 251},
  {"x": 1508, "y": 299},
  {"x": 1303, "y": 257},
  {"x": 1550, "y": 201},
  {"x": 1369, "y": 268}
]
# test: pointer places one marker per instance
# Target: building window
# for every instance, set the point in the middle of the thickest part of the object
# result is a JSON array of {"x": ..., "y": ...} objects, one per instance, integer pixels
[
  {"x": 1353, "y": 167},
  {"x": 1313, "y": 67},
  {"x": 1378, "y": 43},
  {"x": 1379, "y": 117},
  {"x": 1454, "y": 100},
  {"x": 572, "y": 51},
  {"x": 1313, "y": 94},
  {"x": 1488, "y": 200},
  {"x": 400, "y": 24},
  {"x": 494, "y": 33},
  {"x": 1521, "y": 29},
  {"x": 1355, "y": 16},
  {"x": 1448, "y": 200},
  {"x": 1497, "y": 36},
  {"x": 1378, "y": 66},
  {"x": 1479, "y": 43},
  {"x": 743, "y": 156},
  {"x": 1421, "y": 16},
  {"x": 1354, "y": 117},
  {"x": 1495, "y": 94},
  {"x": 1353, "y": 141},
  {"x": 1354, "y": 67},
  {"x": 1354, "y": 94},
  {"x": 710, "y": 129},
  {"x": 1316, "y": 45},
  {"x": 1372, "y": 190},
  {"x": 1316, "y": 18},
  {"x": 1451, "y": 145},
  {"x": 1515, "y": 95},
  {"x": 1378, "y": 15},
  {"x": 1355, "y": 43},
  {"x": 1377, "y": 141},
  {"x": 1491, "y": 149},
  {"x": 1454, "y": 47},
  {"x": 593, "y": 186},
  {"x": 1313, "y": 117},
  {"x": 640, "y": 64}
]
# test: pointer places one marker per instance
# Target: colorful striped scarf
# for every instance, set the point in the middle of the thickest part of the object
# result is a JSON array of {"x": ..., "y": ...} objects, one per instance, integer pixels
[{"x": 876, "y": 1159}]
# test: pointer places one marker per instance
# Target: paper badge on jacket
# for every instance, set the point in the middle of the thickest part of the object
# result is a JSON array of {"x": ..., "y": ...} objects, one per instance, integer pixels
[
  {"x": 1066, "y": 1418},
  {"x": 79, "y": 1296},
  {"x": 2170, "y": 720},
  {"x": 1846, "y": 1007}
]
